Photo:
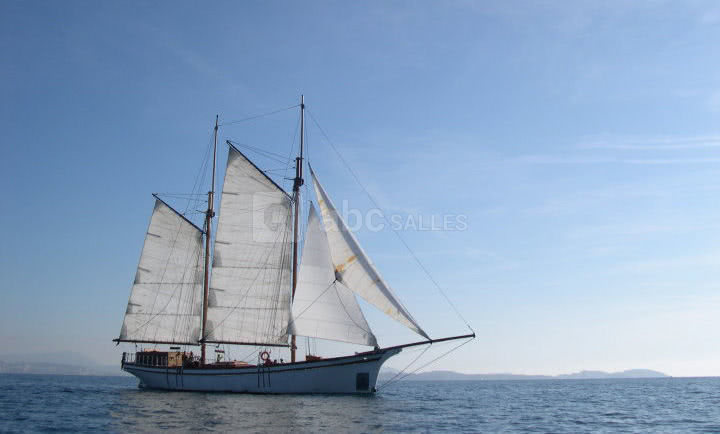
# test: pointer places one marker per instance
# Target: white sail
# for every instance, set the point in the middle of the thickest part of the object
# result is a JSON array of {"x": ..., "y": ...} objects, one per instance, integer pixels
[
  {"x": 166, "y": 298},
  {"x": 249, "y": 297},
  {"x": 323, "y": 307},
  {"x": 353, "y": 267}
]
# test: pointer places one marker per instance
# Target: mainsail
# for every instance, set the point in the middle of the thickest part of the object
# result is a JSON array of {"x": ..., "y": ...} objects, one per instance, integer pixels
[
  {"x": 323, "y": 307},
  {"x": 165, "y": 303},
  {"x": 249, "y": 300},
  {"x": 353, "y": 267}
]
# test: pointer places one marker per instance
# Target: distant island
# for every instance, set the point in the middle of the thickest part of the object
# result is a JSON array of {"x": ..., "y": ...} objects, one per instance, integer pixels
[
  {"x": 587, "y": 375},
  {"x": 77, "y": 364}
]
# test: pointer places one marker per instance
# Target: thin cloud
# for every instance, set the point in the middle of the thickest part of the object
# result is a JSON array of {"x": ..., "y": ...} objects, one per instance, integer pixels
[
  {"x": 552, "y": 159},
  {"x": 710, "y": 259},
  {"x": 654, "y": 144},
  {"x": 707, "y": 160},
  {"x": 549, "y": 159}
]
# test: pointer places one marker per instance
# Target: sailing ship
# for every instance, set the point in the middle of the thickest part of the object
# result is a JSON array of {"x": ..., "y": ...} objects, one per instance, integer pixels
[{"x": 256, "y": 292}]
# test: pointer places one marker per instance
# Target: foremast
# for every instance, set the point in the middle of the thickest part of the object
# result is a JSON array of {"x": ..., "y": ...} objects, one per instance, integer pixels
[
  {"x": 296, "y": 198},
  {"x": 209, "y": 214}
]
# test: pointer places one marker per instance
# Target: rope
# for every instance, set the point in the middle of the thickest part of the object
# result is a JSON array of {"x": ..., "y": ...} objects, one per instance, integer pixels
[
  {"x": 405, "y": 368},
  {"x": 309, "y": 306},
  {"x": 337, "y": 294},
  {"x": 428, "y": 363},
  {"x": 267, "y": 154},
  {"x": 249, "y": 118},
  {"x": 266, "y": 261},
  {"x": 395, "y": 231},
  {"x": 202, "y": 171},
  {"x": 290, "y": 159}
]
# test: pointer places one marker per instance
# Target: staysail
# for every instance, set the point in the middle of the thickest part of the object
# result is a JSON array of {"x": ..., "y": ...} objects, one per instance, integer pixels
[
  {"x": 323, "y": 307},
  {"x": 249, "y": 297},
  {"x": 165, "y": 303},
  {"x": 353, "y": 267}
]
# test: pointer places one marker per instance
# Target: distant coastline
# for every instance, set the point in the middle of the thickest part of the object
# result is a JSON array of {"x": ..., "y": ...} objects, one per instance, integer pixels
[
  {"x": 58, "y": 363},
  {"x": 582, "y": 375},
  {"x": 49, "y": 368},
  {"x": 32, "y": 365}
]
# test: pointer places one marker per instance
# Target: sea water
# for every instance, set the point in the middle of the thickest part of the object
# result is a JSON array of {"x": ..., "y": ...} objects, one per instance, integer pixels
[{"x": 115, "y": 404}]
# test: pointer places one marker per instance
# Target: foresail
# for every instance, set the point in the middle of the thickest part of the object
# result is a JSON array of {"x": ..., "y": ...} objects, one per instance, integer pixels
[
  {"x": 249, "y": 299},
  {"x": 323, "y": 307},
  {"x": 353, "y": 267},
  {"x": 166, "y": 298}
]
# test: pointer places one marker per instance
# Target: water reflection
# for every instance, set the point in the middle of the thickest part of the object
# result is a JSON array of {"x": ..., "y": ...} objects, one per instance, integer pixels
[
  {"x": 114, "y": 404},
  {"x": 148, "y": 410}
]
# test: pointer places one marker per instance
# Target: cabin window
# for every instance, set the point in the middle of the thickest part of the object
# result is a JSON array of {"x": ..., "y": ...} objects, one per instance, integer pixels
[{"x": 362, "y": 381}]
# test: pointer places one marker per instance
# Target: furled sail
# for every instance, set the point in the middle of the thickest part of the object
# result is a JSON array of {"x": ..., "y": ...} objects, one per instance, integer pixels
[
  {"x": 323, "y": 307},
  {"x": 249, "y": 297},
  {"x": 353, "y": 267},
  {"x": 166, "y": 298}
]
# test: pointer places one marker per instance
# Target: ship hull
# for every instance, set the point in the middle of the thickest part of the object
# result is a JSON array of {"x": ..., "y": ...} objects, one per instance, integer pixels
[{"x": 342, "y": 375}]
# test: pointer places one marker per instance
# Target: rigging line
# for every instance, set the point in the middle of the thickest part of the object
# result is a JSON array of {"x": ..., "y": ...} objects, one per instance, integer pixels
[
  {"x": 162, "y": 277},
  {"x": 200, "y": 175},
  {"x": 185, "y": 300},
  {"x": 202, "y": 171},
  {"x": 265, "y": 262},
  {"x": 262, "y": 275},
  {"x": 292, "y": 148},
  {"x": 283, "y": 169},
  {"x": 243, "y": 358},
  {"x": 277, "y": 321},
  {"x": 396, "y": 232},
  {"x": 258, "y": 149},
  {"x": 431, "y": 361},
  {"x": 273, "y": 298},
  {"x": 182, "y": 195},
  {"x": 182, "y": 296},
  {"x": 337, "y": 294},
  {"x": 249, "y": 118},
  {"x": 294, "y": 317},
  {"x": 263, "y": 153},
  {"x": 405, "y": 368},
  {"x": 180, "y": 284}
]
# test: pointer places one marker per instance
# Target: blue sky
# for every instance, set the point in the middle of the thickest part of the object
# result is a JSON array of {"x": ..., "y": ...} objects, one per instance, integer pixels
[{"x": 580, "y": 139}]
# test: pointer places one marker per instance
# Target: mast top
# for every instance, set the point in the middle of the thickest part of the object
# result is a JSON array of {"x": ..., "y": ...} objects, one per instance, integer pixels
[{"x": 299, "y": 181}]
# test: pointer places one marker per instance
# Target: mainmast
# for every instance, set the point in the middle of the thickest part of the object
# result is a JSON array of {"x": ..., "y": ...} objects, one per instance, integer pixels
[
  {"x": 209, "y": 214},
  {"x": 296, "y": 198}
]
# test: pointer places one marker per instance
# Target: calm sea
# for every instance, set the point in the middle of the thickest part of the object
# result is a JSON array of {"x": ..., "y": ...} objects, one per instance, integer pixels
[{"x": 115, "y": 404}]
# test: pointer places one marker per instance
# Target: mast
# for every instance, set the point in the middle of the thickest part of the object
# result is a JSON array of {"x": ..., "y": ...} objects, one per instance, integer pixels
[
  {"x": 296, "y": 197},
  {"x": 208, "y": 229}
]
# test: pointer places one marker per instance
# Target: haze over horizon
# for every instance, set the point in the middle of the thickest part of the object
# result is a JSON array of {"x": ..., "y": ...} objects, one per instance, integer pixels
[{"x": 580, "y": 141}]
